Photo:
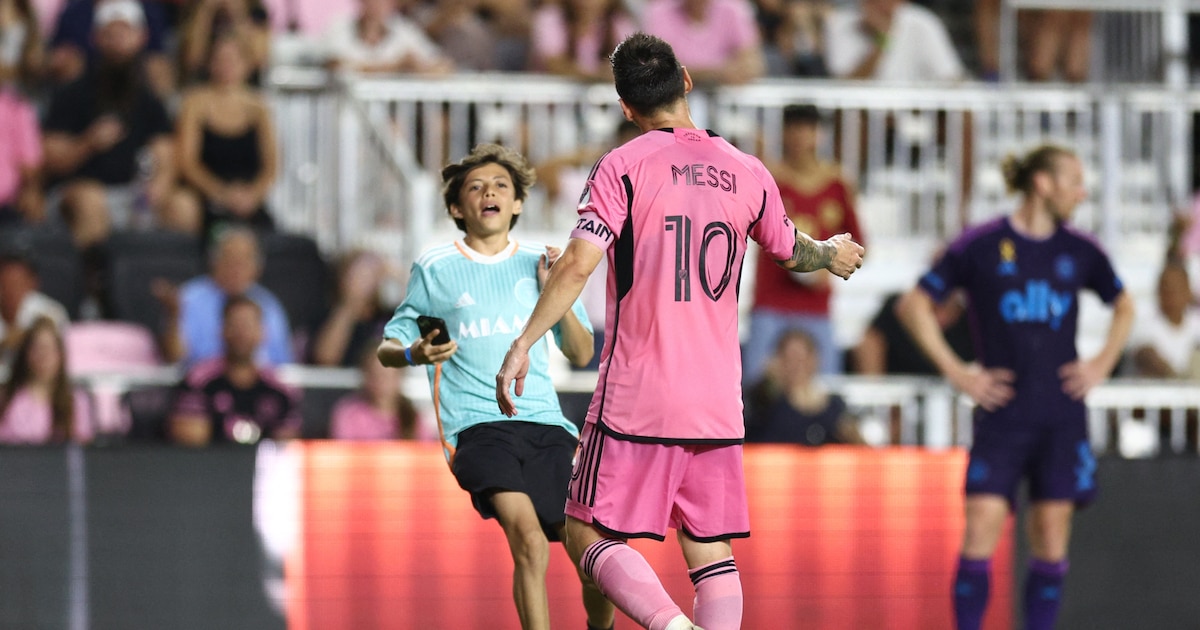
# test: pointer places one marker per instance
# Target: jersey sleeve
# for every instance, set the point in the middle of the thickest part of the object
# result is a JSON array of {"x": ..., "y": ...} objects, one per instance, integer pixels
[
  {"x": 603, "y": 206},
  {"x": 948, "y": 273},
  {"x": 403, "y": 324},
  {"x": 772, "y": 229},
  {"x": 1103, "y": 278}
]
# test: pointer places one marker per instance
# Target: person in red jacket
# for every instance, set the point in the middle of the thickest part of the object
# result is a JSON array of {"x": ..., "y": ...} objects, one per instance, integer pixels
[{"x": 820, "y": 202}]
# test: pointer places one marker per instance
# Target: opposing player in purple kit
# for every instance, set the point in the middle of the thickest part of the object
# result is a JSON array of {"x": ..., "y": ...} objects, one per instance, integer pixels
[
  {"x": 1023, "y": 274},
  {"x": 661, "y": 446}
]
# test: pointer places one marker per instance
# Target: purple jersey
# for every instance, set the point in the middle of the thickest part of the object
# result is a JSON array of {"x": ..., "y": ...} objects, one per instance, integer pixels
[{"x": 1024, "y": 303}]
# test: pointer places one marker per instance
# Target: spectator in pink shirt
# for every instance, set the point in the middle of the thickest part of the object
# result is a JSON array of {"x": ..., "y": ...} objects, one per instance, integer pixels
[
  {"x": 20, "y": 139},
  {"x": 575, "y": 37},
  {"x": 38, "y": 404},
  {"x": 716, "y": 40},
  {"x": 378, "y": 411},
  {"x": 20, "y": 160}
]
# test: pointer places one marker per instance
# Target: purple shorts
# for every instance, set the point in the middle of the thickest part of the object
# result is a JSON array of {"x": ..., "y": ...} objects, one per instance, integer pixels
[
  {"x": 1055, "y": 455},
  {"x": 636, "y": 490}
]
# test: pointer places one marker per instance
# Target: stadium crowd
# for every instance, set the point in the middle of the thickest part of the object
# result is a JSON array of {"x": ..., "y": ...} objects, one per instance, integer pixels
[{"x": 127, "y": 124}]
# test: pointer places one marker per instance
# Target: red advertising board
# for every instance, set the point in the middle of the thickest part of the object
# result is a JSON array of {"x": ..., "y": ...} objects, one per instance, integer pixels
[{"x": 842, "y": 539}]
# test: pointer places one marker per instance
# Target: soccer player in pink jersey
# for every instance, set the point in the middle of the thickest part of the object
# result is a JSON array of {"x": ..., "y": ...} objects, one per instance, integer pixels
[{"x": 661, "y": 447}]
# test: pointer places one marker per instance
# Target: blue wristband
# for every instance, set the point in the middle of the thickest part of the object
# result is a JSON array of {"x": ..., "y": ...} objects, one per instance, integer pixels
[{"x": 408, "y": 356}]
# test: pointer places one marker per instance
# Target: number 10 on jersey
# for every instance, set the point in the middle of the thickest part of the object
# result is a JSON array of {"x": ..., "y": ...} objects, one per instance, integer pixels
[{"x": 715, "y": 233}]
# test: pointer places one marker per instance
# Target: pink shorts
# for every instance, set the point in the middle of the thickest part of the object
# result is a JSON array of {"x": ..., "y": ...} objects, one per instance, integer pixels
[{"x": 635, "y": 490}]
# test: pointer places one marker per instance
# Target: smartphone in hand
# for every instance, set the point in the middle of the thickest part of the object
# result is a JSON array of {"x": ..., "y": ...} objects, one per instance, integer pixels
[{"x": 426, "y": 324}]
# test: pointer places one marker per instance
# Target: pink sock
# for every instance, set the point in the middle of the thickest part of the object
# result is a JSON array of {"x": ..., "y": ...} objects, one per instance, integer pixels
[
  {"x": 718, "y": 595},
  {"x": 627, "y": 580}
]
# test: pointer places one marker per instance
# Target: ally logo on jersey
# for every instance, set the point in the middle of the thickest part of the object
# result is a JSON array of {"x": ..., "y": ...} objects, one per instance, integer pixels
[{"x": 1036, "y": 303}]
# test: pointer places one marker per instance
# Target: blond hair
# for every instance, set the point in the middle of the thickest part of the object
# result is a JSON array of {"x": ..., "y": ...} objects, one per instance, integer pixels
[{"x": 1019, "y": 170}]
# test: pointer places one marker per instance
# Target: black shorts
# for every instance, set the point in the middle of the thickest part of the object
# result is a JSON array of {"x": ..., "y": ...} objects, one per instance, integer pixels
[{"x": 526, "y": 457}]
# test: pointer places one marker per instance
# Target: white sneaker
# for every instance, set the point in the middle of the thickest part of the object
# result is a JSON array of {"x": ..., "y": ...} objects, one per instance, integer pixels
[{"x": 681, "y": 623}]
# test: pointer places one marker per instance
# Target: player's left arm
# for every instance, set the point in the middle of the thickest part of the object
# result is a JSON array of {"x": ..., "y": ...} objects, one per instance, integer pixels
[
  {"x": 1080, "y": 376},
  {"x": 563, "y": 285}
]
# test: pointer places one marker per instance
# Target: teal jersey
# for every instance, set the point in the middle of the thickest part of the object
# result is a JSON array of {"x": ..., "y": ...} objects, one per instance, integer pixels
[{"x": 485, "y": 301}]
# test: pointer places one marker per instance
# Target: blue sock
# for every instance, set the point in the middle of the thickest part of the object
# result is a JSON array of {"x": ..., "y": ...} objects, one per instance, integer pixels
[
  {"x": 971, "y": 586},
  {"x": 1043, "y": 593}
]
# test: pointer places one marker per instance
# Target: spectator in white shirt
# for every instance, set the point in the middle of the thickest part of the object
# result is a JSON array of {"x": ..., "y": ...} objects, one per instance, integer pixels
[
  {"x": 890, "y": 40},
  {"x": 379, "y": 39},
  {"x": 1165, "y": 342}
]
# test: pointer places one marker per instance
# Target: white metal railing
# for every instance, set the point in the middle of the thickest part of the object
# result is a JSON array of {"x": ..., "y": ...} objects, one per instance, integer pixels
[
  {"x": 361, "y": 156},
  {"x": 1130, "y": 417}
]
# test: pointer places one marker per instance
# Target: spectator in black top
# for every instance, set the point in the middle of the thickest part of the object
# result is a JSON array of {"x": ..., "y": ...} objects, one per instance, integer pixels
[
  {"x": 790, "y": 406},
  {"x": 232, "y": 399},
  {"x": 107, "y": 137},
  {"x": 73, "y": 47},
  {"x": 227, "y": 149},
  {"x": 887, "y": 348}
]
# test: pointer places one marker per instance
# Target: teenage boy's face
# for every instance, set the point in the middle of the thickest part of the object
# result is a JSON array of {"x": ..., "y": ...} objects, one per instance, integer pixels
[{"x": 487, "y": 201}]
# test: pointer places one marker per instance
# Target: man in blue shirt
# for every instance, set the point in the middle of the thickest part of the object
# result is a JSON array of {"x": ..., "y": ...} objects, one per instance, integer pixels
[
  {"x": 193, "y": 328},
  {"x": 1023, "y": 274},
  {"x": 485, "y": 286}
]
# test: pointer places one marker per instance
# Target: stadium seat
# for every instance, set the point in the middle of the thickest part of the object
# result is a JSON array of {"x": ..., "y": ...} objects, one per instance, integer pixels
[
  {"x": 136, "y": 259},
  {"x": 147, "y": 409},
  {"x": 104, "y": 346},
  {"x": 316, "y": 407},
  {"x": 60, "y": 270},
  {"x": 297, "y": 274},
  {"x": 99, "y": 346}
]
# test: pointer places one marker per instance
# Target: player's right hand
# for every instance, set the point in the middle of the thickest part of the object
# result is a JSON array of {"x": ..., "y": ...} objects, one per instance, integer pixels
[
  {"x": 848, "y": 258},
  {"x": 512, "y": 373},
  {"x": 425, "y": 352},
  {"x": 990, "y": 388}
]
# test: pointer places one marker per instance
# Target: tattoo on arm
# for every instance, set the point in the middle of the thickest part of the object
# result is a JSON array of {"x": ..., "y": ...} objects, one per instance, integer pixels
[{"x": 809, "y": 255}]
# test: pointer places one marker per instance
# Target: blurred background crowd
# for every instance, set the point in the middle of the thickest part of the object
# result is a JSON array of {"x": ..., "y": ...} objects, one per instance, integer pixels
[{"x": 139, "y": 149}]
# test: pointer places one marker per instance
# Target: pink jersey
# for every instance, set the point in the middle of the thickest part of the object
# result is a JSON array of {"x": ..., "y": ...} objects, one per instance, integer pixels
[
  {"x": 673, "y": 209},
  {"x": 20, "y": 143}
]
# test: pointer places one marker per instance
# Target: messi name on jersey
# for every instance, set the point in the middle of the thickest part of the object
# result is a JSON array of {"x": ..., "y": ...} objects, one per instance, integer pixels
[
  {"x": 1037, "y": 303},
  {"x": 704, "y": 175}
]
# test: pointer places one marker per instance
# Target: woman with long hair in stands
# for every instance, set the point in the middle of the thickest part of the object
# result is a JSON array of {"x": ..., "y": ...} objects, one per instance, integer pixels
[
  {"x": 226, "y": 143},
  {"x": 21, "y": 55},
  {"x": 379, "y": 410},
  {"x": 38, "y": 404}
]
